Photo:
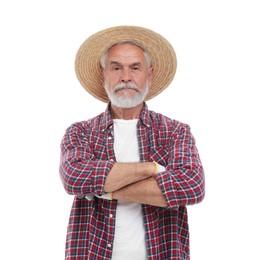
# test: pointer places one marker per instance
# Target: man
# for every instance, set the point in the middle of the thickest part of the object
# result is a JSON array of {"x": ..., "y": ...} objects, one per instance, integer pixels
[{"x": 132, "y": 171}]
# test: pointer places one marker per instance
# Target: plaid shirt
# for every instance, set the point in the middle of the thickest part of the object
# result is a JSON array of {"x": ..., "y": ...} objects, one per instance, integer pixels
[{"x": 87, "y": 156}]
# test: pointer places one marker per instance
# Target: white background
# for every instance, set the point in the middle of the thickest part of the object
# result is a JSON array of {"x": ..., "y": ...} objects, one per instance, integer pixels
[{"x": 215, "y": 90}]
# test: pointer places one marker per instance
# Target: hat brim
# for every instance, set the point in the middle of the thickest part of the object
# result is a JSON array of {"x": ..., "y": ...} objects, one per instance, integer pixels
[{"x": 87, "y": 63}]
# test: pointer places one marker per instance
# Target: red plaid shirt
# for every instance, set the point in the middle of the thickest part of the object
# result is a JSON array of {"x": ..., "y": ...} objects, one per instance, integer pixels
[{"x": 87, "y": 156}]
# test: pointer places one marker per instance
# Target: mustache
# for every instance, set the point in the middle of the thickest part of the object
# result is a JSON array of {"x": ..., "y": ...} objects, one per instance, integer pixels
[{"x": 123, "y": 85}]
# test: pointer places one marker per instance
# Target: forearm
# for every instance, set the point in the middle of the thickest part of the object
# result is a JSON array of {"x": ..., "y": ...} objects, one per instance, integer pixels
[
  {"x": 123, "y": 174},
  {"x": 144, "y": 192}
]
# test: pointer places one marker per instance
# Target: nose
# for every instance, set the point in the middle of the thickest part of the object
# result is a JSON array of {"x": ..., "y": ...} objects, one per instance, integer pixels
[{"x": 126, "y": 75}]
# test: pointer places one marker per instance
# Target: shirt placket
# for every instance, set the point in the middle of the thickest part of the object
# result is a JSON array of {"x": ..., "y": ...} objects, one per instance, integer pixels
[
  {"x": 110, "y": 206},
  {"x": 144, "y": 133},
  {"x": 109, "y": 143}
]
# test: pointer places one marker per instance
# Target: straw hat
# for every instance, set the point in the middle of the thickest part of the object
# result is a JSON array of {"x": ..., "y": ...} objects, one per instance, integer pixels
[{"x": 87, "y": 63}]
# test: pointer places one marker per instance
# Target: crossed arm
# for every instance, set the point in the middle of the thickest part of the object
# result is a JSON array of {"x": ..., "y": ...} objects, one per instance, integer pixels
[
  {"x": 180, "y": 184},
  {"x": 133, "y": 182}
]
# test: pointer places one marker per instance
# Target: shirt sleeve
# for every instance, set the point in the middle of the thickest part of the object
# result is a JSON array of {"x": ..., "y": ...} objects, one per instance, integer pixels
[
  {"x": 182, "y": 183},
  {"x": 80, "y": 171}
]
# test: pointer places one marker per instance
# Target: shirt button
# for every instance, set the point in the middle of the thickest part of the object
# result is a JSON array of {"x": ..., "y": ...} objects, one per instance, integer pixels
[
  {"x": 111, "y": 215},
  {"x": 109, "y": 245},
  {"x": 109, "y": 138}
]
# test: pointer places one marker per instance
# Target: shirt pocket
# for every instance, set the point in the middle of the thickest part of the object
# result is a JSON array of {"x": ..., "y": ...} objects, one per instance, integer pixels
[{"x": 160, "y": 155}]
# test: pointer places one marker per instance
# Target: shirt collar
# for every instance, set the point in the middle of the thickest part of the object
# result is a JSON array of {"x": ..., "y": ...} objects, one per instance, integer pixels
[
  {"x": 145, "y": 116},
  {"x": 107, "y": 119}
]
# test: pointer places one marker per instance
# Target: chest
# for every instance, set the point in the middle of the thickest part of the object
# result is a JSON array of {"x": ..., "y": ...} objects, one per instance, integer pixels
[{"x": 154, "y": 143}]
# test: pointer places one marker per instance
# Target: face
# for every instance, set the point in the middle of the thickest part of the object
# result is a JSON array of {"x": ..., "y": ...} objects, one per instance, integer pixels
[{"x": 127, "y": 77}]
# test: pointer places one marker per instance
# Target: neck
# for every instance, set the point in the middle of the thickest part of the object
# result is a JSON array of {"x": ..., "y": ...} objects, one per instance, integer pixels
[{"x": 126, "y": 113}]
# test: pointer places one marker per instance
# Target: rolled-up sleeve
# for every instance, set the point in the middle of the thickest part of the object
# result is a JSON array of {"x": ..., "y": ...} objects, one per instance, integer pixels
[
  {"x": 80, "y": 171},
  {"x": 183, "y": 182}
]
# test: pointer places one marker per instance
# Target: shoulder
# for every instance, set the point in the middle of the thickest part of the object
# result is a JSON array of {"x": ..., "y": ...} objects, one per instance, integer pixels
[
  {"x": 87, "y": 125},
  {"x": 165, "y": 122}
]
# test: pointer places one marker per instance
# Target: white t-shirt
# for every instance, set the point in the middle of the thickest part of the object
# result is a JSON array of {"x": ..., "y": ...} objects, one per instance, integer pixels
[{"x": 129, "y": 242}]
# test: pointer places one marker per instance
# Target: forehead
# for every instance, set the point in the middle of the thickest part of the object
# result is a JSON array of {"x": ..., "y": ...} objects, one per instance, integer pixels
[{"x": 125, "y": 52}]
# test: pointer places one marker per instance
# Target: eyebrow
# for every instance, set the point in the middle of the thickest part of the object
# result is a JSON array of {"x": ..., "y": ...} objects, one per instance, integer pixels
[{"x": 133, "y": 64}]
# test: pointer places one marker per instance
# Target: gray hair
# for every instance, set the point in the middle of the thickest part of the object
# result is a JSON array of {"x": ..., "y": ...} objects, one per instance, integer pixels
[{"x": 133, "y": 42}]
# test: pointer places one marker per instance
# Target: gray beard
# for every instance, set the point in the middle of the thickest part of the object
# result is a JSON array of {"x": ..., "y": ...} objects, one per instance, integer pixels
[{"x": 126, "y": 101}]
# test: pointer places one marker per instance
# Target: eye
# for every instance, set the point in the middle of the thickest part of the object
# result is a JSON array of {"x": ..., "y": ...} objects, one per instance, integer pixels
[
  {"x": 136, "y": 68},
  {"x": 116, "y": 68}
]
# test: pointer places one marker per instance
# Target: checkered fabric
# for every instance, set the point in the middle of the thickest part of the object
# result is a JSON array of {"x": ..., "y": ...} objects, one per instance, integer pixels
[{"x": 87, "y": 156}]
